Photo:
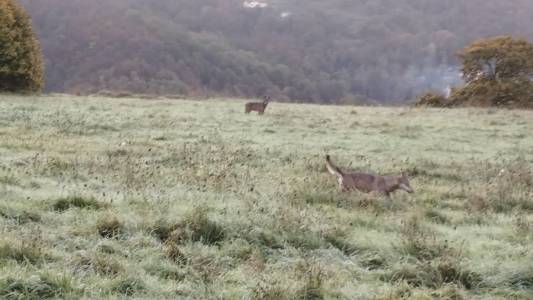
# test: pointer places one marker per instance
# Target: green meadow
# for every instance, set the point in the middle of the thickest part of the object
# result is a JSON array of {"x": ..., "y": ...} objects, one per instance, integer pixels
[{"x": 106, "y": 198}]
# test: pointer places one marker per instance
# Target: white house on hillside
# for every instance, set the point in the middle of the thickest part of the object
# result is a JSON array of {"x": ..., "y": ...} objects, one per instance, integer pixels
[{"x": 254, "y": 4}]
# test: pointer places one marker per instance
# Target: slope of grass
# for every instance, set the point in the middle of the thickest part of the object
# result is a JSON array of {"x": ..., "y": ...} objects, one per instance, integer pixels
[{"x": 106, "y": 198}]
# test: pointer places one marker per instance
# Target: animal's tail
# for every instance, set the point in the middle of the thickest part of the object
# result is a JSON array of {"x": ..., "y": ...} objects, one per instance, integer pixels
[{"x": 332, "y": 168}]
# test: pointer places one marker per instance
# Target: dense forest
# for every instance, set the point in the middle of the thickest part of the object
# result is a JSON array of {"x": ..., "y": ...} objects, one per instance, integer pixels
[{"x": 335, "y": 51}]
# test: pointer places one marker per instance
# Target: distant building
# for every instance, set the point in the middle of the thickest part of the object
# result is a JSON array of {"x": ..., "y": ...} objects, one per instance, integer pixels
[
  {"x": 285, "y": 14},
  {"x": 254, "y": 4}
]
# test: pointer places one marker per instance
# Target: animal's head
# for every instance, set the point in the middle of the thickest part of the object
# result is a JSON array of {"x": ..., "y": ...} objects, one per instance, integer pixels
[
  {"x": 266, "y": 100},
  {"x": 403, "y": 183}
]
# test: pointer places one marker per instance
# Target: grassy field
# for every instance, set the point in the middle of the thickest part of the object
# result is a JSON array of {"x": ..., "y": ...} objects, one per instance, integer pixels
[{"x": 112, "y": 198}]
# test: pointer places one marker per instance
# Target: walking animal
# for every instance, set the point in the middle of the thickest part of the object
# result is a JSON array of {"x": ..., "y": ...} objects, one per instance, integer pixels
[
  {"x": 259, "y": 107},
  {"x": 369, "y": 182}
]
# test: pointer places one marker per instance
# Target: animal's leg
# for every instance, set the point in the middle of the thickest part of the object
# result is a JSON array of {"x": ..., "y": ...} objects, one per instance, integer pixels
[{"x": 342, "y": 187}]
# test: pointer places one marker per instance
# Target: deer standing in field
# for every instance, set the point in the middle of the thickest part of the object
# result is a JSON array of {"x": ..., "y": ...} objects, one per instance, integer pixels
[
  {"x": 259, "y": 107},
  {"x": 369, "y": 182}
]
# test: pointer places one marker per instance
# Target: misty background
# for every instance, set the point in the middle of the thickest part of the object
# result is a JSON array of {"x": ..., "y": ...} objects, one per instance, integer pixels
[{"x": 334, "y": 51}]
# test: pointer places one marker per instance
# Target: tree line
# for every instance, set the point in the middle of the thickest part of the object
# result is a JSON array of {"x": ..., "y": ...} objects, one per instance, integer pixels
[{"x": 314, "y": 51}]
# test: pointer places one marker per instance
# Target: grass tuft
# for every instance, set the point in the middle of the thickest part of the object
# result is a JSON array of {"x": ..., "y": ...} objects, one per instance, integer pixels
[
  {"x": 166, "y": 271},
  {"x": 339, "y": 241},
  {"x": 433, "y": 275},
  {"x": 63, "y": 204},
  {"x": 20, "y": 217},
  {"x": 522, "y": 280},
  {"x": 373, "y": 261},
  {"x": 436, "y": 216},
  {"x": 419, "y": 242},
  {"x": 109, "y": 226},
  {"x": 313, "y": 287},
  {"x": 128, "y": 286},
  {"x": 162, "y": 229},
  {"x": 36, "y": 287},
  {"x": 195, "y": 227},
  {"x": 100, "y": 264},
  {"x": 174, "y": 253},
  {"x": 269, "y": 291},
  {"x": 22, "y": 252}
]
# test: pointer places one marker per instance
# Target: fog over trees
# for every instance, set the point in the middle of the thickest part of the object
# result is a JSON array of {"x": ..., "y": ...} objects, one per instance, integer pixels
[{"x": 335, "y": 51}]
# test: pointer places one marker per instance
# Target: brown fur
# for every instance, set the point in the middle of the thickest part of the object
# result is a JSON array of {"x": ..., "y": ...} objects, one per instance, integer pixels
[
  {"x": 369, "y": 182},
  {"x": 259, "y": 107}
]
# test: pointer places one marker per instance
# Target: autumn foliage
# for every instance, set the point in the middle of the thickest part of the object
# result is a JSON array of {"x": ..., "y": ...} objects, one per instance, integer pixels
[
  {"x": 21, "y": 66},
  {"x": 497, "y": 72},
  {"x": 334, "y": 51},
  {"x": 432, "y": 99}
]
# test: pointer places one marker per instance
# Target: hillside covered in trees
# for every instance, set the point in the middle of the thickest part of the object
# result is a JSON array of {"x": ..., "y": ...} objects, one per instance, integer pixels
[{"x": 336, "y": 51}]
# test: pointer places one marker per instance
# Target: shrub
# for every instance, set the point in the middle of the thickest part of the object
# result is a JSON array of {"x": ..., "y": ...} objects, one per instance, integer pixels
[
  {"x": 432, "y": 99},
  {"x": 485, "y": 93}
]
